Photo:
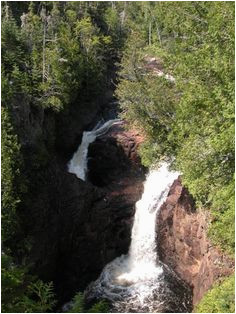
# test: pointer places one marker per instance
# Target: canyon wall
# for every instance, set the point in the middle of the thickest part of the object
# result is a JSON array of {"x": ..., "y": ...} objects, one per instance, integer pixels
[
  {"x": 74, "y": 228},
  {"x": 183, "y": 243}
]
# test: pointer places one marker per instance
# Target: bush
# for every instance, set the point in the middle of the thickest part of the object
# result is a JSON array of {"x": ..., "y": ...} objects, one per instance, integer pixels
[
  {"x": 79, "y": 305},
  {"x": 220, "y": 299},
  {"x": 23, "y": 293}
]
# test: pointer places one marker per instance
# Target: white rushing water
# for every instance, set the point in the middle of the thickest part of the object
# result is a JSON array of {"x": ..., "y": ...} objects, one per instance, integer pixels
[
  {"x": 78, "y": 163},
  {"x": 142, "y": 257},
  {"x": 131, "y": 281}
]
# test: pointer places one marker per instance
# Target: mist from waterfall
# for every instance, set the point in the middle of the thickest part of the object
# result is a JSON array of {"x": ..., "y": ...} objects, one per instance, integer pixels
[
  {"x": 78, "y": 163},
  {"x": 133, "y": 282}
]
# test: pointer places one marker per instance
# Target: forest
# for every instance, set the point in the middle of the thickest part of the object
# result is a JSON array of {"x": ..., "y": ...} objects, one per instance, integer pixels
[{"x": 169, "y": 69}]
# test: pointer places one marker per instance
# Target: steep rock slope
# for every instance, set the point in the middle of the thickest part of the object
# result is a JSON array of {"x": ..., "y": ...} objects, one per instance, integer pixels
[{"x": 183, "y": 243}]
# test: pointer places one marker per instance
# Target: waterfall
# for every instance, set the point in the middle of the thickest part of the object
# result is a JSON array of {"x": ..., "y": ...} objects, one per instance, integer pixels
[
  {"x": 137, "y": 282},
  {"x": 78, "y": 163},
  {"x": 141, "y": 259}
]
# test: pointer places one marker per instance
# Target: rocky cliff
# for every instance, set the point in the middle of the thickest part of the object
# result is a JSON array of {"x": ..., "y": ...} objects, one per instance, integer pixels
[
  {"x": 72, "y": 228},
  {"x": 183, "y": 243},
  {"x": 99, "y": 211}
]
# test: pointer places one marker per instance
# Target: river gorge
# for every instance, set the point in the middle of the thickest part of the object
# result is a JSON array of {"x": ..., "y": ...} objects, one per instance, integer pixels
[
  {"x": 94, "y": 197},
  {"x": 118, "y": 156},
  {"x": 139, "y": 281}
]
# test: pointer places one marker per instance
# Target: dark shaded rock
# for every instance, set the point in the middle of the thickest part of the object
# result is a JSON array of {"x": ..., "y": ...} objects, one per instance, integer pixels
[
  {"x": 69, "y": 228},
  {"x": 71, "y": 123},
  {"x": 74, "y": 227}
]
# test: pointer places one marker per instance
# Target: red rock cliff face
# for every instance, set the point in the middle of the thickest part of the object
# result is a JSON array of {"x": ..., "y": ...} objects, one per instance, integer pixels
[{"x": 183, "y": 244}]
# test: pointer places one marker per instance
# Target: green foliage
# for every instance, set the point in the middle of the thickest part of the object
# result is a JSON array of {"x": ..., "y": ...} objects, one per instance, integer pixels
[
  {"x": 11, "y": 185},
  {"x": 21, "y": 293},
  {"x": 222, "y": 231},
  {"x": 219, "y": 299},
  {"x": 191, "y": 120},
  {"x": 55, "y": 56},
  {"x": 78, "y": 305},
  {"x": 12, "y": 278},
  {"x": 53, "y": 102},
  {"x": 100, "y": 307},
  {"x": 40, "y": 298}
]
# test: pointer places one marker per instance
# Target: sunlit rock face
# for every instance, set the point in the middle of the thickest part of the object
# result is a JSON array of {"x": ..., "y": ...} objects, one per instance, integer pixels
[
  {"x": 183, "y": 243},
  {"x": 138, "y": 282}
]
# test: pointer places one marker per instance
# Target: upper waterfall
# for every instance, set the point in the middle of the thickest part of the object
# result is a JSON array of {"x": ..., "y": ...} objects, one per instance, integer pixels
[{"x": 78, "y": 163}]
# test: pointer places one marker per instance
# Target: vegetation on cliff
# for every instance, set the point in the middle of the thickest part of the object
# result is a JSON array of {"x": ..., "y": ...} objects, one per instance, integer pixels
[
  {"x": 22, "y": 292},
  {"x": 11, "y": 165},
  {"x": 220, "y": 299},
  {"x": 79, "y": 306},
  {"x": 57, "y": 55}
]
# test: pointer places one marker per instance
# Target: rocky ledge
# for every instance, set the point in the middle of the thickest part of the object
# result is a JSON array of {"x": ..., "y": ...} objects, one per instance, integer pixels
[{"x": 183, "y": 244}]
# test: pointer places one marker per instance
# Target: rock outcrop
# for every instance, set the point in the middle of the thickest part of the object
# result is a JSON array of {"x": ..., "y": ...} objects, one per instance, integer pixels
[
  {"x": 183, "y": 244},
  {"x": 112, "y": 155},
  {"x": 76, "y": 227},
  {"x": 103, "y": 208}
]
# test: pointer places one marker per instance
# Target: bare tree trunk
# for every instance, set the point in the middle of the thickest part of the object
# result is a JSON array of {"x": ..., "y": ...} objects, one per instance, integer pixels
[
  {"x": 113, "y": 5},
  {"x": 159, "y": 35},
  {"x": 44, "y": 44},
  {"x": 123, "y": 14},
  {"x": 150, "y": 34}
]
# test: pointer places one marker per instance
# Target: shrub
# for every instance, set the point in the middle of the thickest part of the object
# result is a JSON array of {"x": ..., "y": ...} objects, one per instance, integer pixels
[{"x": 219, "y": 299}]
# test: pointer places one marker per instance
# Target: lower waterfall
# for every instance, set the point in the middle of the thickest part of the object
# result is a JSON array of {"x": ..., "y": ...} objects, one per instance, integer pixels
[{"x": 138, "y": 282}]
